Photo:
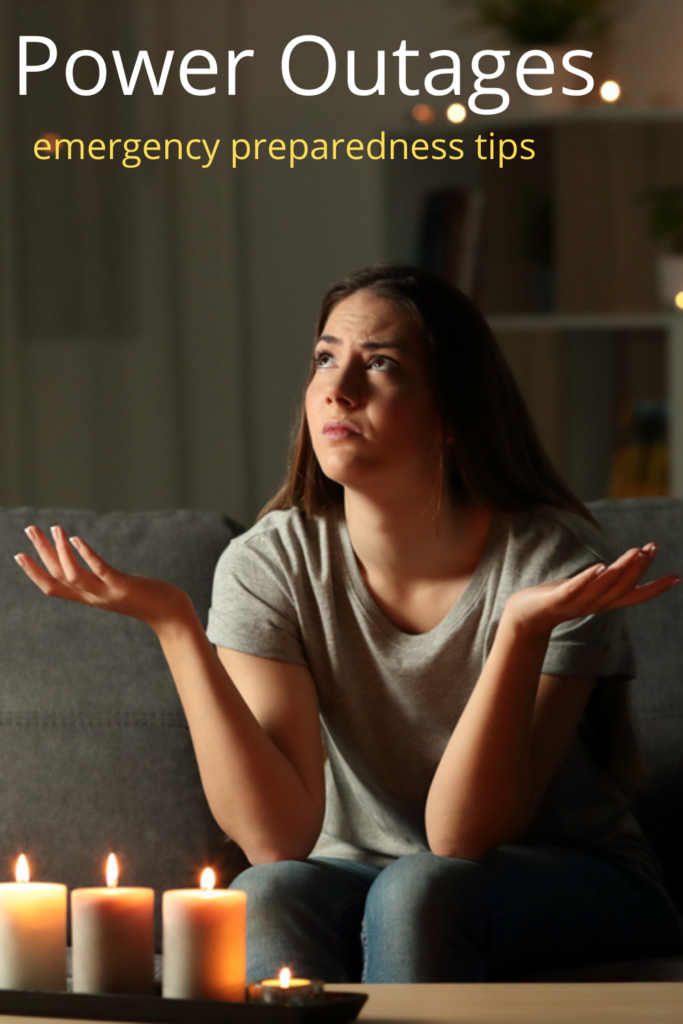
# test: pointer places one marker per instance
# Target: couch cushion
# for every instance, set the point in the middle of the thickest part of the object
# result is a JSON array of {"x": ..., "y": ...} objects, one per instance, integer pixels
[
  {"x": 95, "y": 754},
  {"x": 657, "y": 693}
]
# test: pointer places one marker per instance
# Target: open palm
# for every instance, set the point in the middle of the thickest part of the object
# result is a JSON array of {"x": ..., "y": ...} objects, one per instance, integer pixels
[
  {"x": 97, "y": 584},
  {"x": 598, "y": 588}
]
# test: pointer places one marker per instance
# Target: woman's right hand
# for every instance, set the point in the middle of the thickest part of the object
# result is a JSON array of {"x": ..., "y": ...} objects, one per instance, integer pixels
[{"x": 99, "y": 585}]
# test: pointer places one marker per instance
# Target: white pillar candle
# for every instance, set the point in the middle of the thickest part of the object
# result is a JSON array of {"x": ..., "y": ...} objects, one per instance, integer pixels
[
  {"x": 204, "y": 940},
  {"x": 113, "y": 938},
  {"x": 32, "y": 933}
]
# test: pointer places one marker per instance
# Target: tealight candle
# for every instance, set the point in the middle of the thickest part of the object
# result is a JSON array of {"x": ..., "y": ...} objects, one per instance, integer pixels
[
  {"x": 32, "y": 933},
  {"x": 286, "y": 990},
  {"x": 113, "y": 937},
  {"x": 204, "y": 938}
]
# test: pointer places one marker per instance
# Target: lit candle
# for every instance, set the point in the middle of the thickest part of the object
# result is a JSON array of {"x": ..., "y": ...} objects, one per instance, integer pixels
[
  {"x": 286, "y": 990},
  {"x": 32, "y": 933},
  {"x": 113, "y": 937},
  {"x": 204, "y": 937}
]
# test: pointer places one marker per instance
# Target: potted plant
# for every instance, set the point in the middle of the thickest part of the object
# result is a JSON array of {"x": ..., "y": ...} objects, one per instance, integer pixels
[
  {"x": 543, "y": 23},
  {"x": 666, "y": 226}
]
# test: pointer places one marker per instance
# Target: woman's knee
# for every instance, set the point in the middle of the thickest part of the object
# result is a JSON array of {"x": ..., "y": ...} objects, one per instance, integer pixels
[
  {"x": 424, "y": 884},
  {"x": 272, "y": 886},
  {"x": 424, "y": 921},
  {"x": 307, "y": 914},
  {"x": 311, "y": 888}
]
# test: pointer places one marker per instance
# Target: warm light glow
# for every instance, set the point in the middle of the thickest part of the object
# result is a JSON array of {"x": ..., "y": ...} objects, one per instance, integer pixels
[
  {"x": 423, "y": 113},
  {"x": 21, "y": 870},
  {"x": 112, "y": 871},
  {"x": 456, "y": 113},
  {"x": 208, "y": 880},
  {"x": 53, "y": 139},
  {"x": 610, "y": 91},
  {"x": 286, "y": 981},
  {"x": 678, "y": 299}
]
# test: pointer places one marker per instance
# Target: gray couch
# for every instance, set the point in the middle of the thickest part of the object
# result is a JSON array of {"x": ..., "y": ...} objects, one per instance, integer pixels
[{"x": 95, "y": 754}]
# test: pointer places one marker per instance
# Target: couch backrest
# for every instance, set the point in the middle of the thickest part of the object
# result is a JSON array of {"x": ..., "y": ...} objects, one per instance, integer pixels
[
  {"x": 95, "y": 754},
  {"x": 657, "y": 693}
]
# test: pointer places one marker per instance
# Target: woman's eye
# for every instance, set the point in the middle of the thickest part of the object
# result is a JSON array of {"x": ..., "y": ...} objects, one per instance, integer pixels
[
  {"x": 320, "y": 361},
  {"x": 382, "y": 363},
  {"x": 324, "y": 360}
]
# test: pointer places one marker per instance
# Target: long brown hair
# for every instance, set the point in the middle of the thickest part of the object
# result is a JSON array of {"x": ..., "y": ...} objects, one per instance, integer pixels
[{"x": 497, "y": 459}]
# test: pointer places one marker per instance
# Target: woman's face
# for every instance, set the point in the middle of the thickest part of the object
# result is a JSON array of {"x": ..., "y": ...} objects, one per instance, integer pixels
[{"x": 370, "y": 406}]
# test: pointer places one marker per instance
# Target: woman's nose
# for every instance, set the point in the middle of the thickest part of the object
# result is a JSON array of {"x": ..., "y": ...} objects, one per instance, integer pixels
[{"x": 343, "y": 386}]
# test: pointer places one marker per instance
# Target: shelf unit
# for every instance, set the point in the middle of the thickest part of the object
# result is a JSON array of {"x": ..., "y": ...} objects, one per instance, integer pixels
[
  {"x": 580, "y": 372},
  {"x": 605, "y": 343}
]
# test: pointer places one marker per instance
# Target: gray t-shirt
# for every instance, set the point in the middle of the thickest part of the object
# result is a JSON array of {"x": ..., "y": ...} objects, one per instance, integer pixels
[{"x": 291, "y": 589}]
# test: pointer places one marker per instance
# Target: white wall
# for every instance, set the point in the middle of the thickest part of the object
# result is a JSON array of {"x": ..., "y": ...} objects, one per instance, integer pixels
[
  {"x": 104, "y": 406},
  {"x": 646, "y": 51}
]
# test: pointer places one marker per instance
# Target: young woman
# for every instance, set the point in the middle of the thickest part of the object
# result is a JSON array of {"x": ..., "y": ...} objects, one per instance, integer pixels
[{"x": 426, "y": 589}]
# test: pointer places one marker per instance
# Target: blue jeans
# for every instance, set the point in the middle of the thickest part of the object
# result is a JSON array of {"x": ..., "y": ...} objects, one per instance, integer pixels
[{"x": 435, "y": 919}]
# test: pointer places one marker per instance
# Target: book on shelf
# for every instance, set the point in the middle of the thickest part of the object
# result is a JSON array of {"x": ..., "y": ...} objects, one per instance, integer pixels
[
  {"x": 450, "y": 237},
  {"x": 641, "y": 465}
]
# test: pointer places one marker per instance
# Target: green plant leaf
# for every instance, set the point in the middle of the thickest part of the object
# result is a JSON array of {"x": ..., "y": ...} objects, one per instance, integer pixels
[{"x": 545, "y": 22}]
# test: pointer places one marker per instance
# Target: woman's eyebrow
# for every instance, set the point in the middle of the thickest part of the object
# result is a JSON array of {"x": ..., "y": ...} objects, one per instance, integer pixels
[{"x": 330, "y": 339}]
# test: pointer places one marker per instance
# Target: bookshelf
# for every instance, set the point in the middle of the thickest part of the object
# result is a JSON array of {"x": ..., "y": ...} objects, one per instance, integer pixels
[{"x": 565, "y": 273}]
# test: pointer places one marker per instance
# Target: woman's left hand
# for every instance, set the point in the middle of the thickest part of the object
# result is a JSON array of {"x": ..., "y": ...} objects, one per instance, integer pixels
[{"x": 599, "y": 588}]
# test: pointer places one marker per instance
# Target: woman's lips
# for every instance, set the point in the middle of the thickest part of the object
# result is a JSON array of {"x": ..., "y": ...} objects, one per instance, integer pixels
[{"x": 340, "y": 429}]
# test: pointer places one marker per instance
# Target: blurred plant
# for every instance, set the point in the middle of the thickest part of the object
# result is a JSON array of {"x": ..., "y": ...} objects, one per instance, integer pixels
[
  {"x": 545, "y": 22},
  {"x": 666, "y": 215}
]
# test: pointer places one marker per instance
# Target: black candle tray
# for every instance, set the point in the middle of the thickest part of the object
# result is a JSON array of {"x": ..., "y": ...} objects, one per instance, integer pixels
[{"x": 331, "y": 1008}]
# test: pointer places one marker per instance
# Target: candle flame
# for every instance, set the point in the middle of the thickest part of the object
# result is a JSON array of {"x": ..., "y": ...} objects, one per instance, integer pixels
[
  {"x": 21, "y": 871},
  {"x": 112, "y": 871},
  {"x": 208, "y": 880},
  {"x": 285, "y": 977}
]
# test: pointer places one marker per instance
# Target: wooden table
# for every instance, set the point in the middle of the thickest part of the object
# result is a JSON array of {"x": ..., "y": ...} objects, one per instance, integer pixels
[{"x": 595, "y": 1003}]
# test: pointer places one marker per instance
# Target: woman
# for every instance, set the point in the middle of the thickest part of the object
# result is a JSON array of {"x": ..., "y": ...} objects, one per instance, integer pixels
[{"x": 427, "y": 588}]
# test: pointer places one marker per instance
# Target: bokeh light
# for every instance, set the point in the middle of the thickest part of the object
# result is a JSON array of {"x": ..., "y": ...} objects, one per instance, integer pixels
[
  {"x": 423, "y": 113},
  {"x": 610, "y": 91},
  {"x": 53, "y": 139},
  {"x": 456, "y": 113}
]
